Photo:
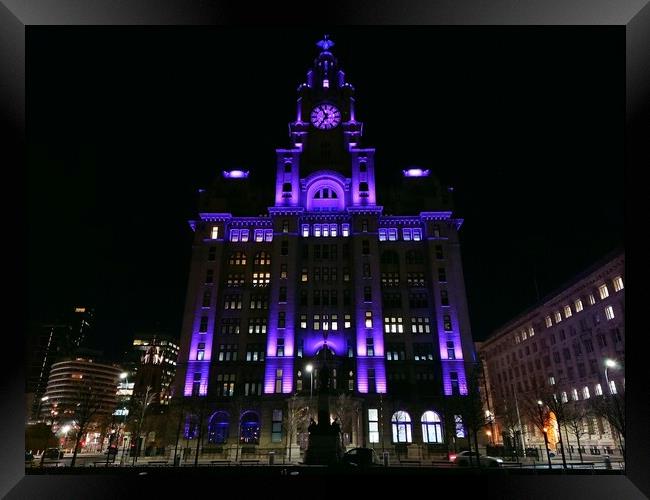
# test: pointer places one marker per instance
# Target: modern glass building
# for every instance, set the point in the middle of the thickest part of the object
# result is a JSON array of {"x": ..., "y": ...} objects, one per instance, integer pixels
[{"x": 325, "y": 277}]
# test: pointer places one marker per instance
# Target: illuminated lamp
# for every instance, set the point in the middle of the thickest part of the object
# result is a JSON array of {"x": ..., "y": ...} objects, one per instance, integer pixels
[
  {"x": 235, "y": 174},
  {"x": 416, "y": 172}
]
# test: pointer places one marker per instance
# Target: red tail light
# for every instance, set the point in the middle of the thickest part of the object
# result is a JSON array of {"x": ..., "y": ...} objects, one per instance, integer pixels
[{"x": 452, "y": 457}]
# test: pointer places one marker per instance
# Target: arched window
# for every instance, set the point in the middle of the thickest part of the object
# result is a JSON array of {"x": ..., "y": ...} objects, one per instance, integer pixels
[
  {"x": 250, "y": 428},
  {"x": 218, "y": 428},
  {"x": 326, "y": 197},
  {"x": 414, "y": 257},
  {"x": 191, "y": 427},
  {"x": 401, "y": 423},
  {"x": 431, "y": 427},
  {"x": 237, "y": 259},
  {"x": 262, "y": 259},
  {"x": 389, "y": 257}
]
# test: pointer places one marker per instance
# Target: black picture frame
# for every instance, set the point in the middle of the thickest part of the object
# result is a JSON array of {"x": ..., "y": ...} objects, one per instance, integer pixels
[{"x": 16, "y": 16}]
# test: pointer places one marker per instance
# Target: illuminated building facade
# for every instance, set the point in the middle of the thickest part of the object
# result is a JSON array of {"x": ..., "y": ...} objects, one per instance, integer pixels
[
  {"x": 563, "y": 346},
  {"x": 153, "y": 364},
  {"x": 325, "y": 277}
]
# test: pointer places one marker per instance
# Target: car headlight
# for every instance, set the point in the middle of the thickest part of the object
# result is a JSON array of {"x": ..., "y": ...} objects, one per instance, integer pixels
[{"x": 499, "y": 460}]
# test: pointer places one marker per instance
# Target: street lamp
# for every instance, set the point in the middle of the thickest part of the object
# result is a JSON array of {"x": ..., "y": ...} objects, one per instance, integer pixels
[
  {"x": 541, "y": 421},
  {"x": 609, "y": 363},
  {"x": 124, "y": 376},
  {"x": 310, "y": 369}
]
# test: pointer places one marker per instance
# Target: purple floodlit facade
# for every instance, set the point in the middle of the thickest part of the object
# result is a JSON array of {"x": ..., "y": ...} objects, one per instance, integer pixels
[{"x": 326, "y": 277}]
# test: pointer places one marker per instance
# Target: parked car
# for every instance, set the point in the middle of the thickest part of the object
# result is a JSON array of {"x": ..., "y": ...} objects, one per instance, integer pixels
[
  {"x": 361, "y": 457},
  {"x": 54, "y": 453},
  {"x": 462, "y": 459}
]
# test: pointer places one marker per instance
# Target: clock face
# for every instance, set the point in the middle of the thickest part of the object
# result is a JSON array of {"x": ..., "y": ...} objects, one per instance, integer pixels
[{"x": 325, "y": 116}]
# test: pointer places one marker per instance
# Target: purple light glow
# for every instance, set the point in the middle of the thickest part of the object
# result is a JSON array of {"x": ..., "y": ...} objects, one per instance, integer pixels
[
  {"x": 314, "y": 342},
  {"x": 449, "y": 366},
  {"x": 193, "y": 367},
  {"x": 235, "y": 174},
  {"x": 415, "y": 172},
  {"x": 272, "y": 364},
  {"x": 363, "y": 364}
]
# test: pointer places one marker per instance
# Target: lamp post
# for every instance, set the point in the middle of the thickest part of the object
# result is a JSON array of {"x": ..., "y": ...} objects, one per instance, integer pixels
[
  {"x": 541, "y": 420},
  {"x": 124, "y": 376},
  {"x": 310, "y": 369},
  {"x": 609, "y": 363}
]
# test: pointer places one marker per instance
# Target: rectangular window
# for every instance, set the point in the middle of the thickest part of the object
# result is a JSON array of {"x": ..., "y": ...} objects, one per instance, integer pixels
[
  {"x": 276, "y": 427},
  {"x": 257, "y": 326},
  {"x": 368, "y": 319},
  {"x": 215, "y": 233},
  {"x": 282, "y": 296},
  {"x": 316, "y": 322},
  {"x": 373, "y": 425},
  {"x": 585, "y": 392},
  {"x": 243, "y": 235},
  {"x": 436, "y": 231},
  {"x": 364, "y": 226},
  {"x": 442, "y": 274},
  {"x": 383, "y": 234},
  {"x": 393, "y": 324},
  {"x": 279, "y": 350},
  {"x": 567, "y": 311},
  {"x": 209, "y": 276},
  {"x": 305, "y": 230},
  {"x": 423, "y": 352},
  {"x": 278, "y": 381},
  {"x": 367, "y": 294},
  {"x": 451, "y": 351},
  {"x": 548, "y": 321},
  {"x": 417, "y": 234},
  {"x": 618, "y": 284},
  {"x": 444, "y": 298},
  {"x": 609, "y": 312},
  {"x": 455, "y": 387},
  {"x": 282, "y": 319},
  {"x": 345, "y": 229},
  {"x": 268, "y": 235},
  {"x": 300, "y": 347},
  {"x": 200, "y": 353},
  {"x": 366, "y": 271},
  {"x": 446, "y": 320},
  {"x": 334, "y": 322},
  {"x": 558, "y": 317},
  {"x": 603, "y": 291},
  {"x": 347, "y": 298},
  {"x": 372, "y": 386},
  {"x": 598, "y": 390},
  {"x": 460, "y": 429},
  {"x": 574, "y": 394},
  {"x": 612, "y": 387},
  {"x": 439, "y": 254},
  {"x": 392, "y": 234},
  {"x": 365, "y": 247},
  {"x": 284, "y": 249},
  {"x": 347, "y": 321},
  {"x": 406, "y": 234},
  {"x": 285, "y": 226},
  {"x": 578, "y": 305},
  {"x": 234, "y": 235},
  {"x": 259, "y": 235},
  {"x": 326, "y": 230},
  {"x": 317, "y": 230},
  {"x": 230, "y": 326},
  {"x": 591, "y": 299},
  {"x": 207, "y": 298},
  {"x": 420, "y": 325},
  {"x": 254, "y": 352},
  {"x": 370, "y": 347},
  {"x": 203, "y": 327},
  {"x": 334, "y": 230}
]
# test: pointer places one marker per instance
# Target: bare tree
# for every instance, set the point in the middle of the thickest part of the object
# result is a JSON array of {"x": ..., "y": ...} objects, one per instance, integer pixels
[
  {"x": 88, "y": 402},
  {"x": 612, "y": 408},
  {"x": 472, "y": 408},
  {"x": 557, "y": 406},
  {"x": 507, "y": 414},
  {"x": 144, "y": 401},
  {"x": 539, "y": 415},
  {"x": 296, "y": 415},
  {"x": 345, "y": 411},
  {"x": 574, "y": 417}
]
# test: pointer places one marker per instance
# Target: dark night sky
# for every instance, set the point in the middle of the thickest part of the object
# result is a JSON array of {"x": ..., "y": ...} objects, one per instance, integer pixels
[{"x": 124, "y": 125}]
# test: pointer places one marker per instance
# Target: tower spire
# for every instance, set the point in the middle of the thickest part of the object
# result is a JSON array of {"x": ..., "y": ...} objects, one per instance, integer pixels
[{"x": 325, "y": 43}]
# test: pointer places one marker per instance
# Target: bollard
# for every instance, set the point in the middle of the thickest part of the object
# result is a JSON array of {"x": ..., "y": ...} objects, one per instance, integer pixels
[{"x": 271, "y": 457}]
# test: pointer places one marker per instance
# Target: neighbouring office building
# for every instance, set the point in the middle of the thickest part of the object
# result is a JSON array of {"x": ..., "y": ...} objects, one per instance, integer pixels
[
  {"x": 325, "y": 278},
  {"x": 572, "y": 343}
]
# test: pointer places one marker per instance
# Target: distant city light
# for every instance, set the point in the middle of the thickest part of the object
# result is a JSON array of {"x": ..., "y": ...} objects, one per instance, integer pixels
[
  {"x": 235, "y": 174},
  {"x": 416, "y": 172}
]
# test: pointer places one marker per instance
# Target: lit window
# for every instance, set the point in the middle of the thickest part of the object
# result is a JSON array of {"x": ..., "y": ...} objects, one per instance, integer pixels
[
  {"x": 460, "y": 429},
  {"x": 431, "y": 427},
  {"x": 517, "y": 339},
  {"x": 370, "y": 347},
  {"x": 578, "y": 305},
  {"x": 558, "y": 316},
  {"x": 531, "y": 331},
  {"x": 551, "y": 380},
  {"x": 305, "y": 230},
  {"x": 574, "y": 394},
  {"x": 259, "y": 235},
  {"x": 345, "y": 229},
  {"x": 303, "y": 321},
  {"x": 609, "y": 312},
  {"x": 368, "y": 319},
  {"x": 243, "y": 235},
  {"x": 598, "y": 390},
  {"x": 524, "y": 335},
  {"x": 567, "y": 311},
  {"x": 612, "y": 387},
  {"x": 382, "y": 234},
  {"x": 304, "y": 275},
  {"x": 393, "y": 325},
  {"x": 234, "y": 235},
  {"x": 268, "y": 235},
  {"x": 602, "y": 290},
  {"x": 549, "y": 323},
  {"x": 618, "y": 283},
  {"x": 335, "y": 322},
  {"x": 373, "y": 425},
  {"x": 417, "y": 234},
  {"x": 347, "y": 321},
  {"x": 585, "y": 392},
  {"x": 334, "y": 230},
  {"x": 564, "y": 397},
  {"x": 317, "y": 230},
  {"x": 392, "y": 234},
  {"x": 215, "y": 233},
  {"x": 326, "y": 230},
  {"x": 591, "y": 299},
  {"x": 401, "y": 424},
  {"x": 316, "y": 321},
  {"x": 406, "y": 234}
]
